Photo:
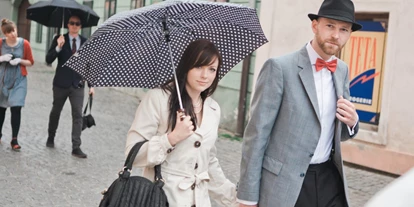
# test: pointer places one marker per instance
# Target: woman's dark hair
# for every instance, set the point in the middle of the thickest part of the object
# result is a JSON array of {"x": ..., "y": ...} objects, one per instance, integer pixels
[{"x": 198, "y": 53}]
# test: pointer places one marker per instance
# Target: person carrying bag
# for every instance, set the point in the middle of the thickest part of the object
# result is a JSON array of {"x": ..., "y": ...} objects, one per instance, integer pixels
[{"x": 134, "y": 191}]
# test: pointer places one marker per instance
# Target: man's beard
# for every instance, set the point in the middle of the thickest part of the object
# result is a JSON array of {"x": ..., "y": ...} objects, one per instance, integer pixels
[{"x": 328, "y": 49}]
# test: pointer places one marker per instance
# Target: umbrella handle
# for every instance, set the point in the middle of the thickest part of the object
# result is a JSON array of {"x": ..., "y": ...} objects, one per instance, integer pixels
[
  {"x": 183, "y": 115},
  {"x": 63, "y": 19},
  {"x": 167, "y": 39}
]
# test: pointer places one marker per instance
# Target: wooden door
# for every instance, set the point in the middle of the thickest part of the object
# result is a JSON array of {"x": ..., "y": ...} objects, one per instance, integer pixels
[{"x": 23, "y": 24}]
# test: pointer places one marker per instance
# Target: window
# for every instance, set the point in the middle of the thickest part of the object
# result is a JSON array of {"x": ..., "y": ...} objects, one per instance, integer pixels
[
  {"x": 87, "y": 31},
  {"x": 137, "y": 3},
  {"x": 149, "y": 2},
  {"x": 110, "y": 8},
  {"x": 39, "y": 31}
]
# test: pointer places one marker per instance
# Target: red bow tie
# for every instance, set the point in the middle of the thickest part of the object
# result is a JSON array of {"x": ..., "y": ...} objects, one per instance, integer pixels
[{"x": 329, "y": 65}]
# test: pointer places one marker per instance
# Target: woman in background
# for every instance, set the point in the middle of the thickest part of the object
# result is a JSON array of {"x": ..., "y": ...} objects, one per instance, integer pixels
[{"x": 15, "y": 55}]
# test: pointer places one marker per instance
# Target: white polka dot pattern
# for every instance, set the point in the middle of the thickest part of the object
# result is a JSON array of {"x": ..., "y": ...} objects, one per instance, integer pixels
[{"x": 129, "y": 49}]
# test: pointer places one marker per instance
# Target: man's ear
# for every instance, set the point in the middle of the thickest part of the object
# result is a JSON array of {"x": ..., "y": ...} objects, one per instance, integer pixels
[{"x": 315, "y": 25}]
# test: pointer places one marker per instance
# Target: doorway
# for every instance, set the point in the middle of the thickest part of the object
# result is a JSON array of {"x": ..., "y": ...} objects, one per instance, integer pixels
[{"x": 23, "y": 24}]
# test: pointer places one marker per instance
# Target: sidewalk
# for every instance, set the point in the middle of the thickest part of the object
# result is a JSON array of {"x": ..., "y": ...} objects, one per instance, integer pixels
[{"x": 39, "y": 176}]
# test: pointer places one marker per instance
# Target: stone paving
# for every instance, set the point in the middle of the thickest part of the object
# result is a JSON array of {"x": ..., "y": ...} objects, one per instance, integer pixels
[{"x": 39, "y": 176}]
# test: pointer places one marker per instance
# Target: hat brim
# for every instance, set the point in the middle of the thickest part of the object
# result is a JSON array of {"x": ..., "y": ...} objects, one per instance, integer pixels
[{"x": 355, "y": 26}]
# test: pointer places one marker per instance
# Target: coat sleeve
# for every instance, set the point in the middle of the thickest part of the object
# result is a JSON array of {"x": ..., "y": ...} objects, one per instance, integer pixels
[
  {"x": 145, "y": 127},
  {"x": 345, "y": 133},
  {"x": 265, "y": 106},
  {"x": 52, "y": 54},
  {"x": 220, "y": 189},
  {"x": 28, "y": 55}
]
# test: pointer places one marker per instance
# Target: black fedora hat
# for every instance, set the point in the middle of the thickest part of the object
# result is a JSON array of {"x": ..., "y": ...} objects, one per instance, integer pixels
[{"x": 342, "y": 10}]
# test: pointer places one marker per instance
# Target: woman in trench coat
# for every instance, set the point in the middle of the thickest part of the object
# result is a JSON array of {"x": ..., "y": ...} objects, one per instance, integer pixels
[{"x": 184, "y": 143}]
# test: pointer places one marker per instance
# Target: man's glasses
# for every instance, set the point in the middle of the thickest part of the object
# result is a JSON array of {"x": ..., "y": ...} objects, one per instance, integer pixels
[{"x": 74, "y": 23}]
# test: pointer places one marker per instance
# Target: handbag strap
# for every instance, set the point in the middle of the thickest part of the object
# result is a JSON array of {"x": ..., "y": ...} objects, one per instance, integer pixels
[
  {"x": 88, "y": 103},
  {"x": 131, "y": 157}
]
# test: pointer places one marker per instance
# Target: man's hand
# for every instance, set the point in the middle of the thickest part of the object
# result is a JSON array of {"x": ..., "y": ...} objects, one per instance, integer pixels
[
  {"x": 91, "y": 91},
  {"x": 60, "y": 41},
  {"x": 346, "y": 112}
]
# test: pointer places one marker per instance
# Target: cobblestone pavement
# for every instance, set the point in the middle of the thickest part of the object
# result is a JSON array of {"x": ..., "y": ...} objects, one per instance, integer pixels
[{"x": 39, "y": 176}]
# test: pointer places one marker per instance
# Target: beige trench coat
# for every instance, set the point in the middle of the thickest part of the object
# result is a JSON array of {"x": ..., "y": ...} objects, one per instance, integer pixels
[{"x": 192, "y": 174}]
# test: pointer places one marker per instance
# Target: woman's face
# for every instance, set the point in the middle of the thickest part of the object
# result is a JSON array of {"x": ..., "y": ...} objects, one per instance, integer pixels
[
  {"x": 11, "y": 35},
  {"x": 201, "y": 78}
]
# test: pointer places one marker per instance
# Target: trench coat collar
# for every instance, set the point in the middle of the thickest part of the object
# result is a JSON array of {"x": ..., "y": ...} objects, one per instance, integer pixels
[{"x": 210, "y": 108}]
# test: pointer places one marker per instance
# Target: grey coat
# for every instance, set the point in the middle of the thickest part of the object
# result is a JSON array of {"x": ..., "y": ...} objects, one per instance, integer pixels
[{"x": 284, "y": 129}]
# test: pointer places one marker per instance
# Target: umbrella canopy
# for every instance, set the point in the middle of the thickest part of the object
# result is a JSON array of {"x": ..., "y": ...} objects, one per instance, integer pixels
[
  {"x": 130, "y": 48},
  {"x": 54, "y": 13}
]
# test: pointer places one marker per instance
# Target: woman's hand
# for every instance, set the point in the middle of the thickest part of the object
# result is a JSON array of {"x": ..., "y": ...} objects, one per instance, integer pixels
[{"x": 183, "y": 129}]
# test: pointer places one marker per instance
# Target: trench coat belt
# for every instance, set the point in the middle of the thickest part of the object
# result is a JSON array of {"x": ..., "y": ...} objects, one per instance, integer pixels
[{"x": 187, "y": 182}]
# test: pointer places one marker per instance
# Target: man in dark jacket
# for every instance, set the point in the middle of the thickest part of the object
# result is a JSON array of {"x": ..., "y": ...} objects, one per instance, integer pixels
[{"x": 67, "y": 84}]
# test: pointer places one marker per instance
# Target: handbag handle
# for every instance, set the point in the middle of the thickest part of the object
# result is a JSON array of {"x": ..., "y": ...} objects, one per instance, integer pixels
[
  {"x": 90, "y": 105},
  {"x": 131, "y": 157}
]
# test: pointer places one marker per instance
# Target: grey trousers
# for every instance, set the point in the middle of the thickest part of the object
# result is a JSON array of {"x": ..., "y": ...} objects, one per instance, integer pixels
[{"x": 75, "y": 96}]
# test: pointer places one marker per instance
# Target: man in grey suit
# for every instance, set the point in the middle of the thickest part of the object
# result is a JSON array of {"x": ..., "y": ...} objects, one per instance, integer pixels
[{"x": 299, "y": 115}]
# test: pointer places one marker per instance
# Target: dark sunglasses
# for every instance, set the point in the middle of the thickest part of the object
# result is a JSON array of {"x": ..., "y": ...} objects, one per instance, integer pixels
[{"x": 74, "y": 23}]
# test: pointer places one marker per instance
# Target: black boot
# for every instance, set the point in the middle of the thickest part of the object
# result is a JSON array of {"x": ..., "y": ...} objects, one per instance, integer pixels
[
  {"x": 50, "y": 142},
  {"x": 78, "y": 153}
]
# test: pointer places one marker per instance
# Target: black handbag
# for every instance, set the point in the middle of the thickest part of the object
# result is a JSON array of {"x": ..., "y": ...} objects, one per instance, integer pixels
[
  {"x": 87, "y": 120},
  {"x": 135, "y": 191}
]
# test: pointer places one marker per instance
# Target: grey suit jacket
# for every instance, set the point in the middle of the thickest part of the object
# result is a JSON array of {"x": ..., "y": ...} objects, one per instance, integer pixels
[{"x": 284, "y": 129}]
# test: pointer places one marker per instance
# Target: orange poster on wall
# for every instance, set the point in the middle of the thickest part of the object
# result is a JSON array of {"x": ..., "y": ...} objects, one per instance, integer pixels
[{"x": 364, "y": 54}]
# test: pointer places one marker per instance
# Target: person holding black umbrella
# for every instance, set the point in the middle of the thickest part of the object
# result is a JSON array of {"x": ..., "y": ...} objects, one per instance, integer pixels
[
  {"x": 291, "y": 152},
  {"x": 67, "y": 84}
]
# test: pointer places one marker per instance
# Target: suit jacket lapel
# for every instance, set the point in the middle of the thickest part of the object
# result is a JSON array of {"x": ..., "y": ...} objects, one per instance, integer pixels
[
  {"x": 338, "y": 81},
  {"x": 67, "y": 40},
  {"x": 306, "y": 76},
  {"x": 82, "y": 40}
]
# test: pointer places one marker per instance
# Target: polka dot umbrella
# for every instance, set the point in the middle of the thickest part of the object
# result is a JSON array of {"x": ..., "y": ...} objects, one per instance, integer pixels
[{"x": 131, "y": 48}]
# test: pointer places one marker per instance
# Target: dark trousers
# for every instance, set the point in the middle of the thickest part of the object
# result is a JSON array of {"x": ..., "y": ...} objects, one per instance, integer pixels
[
  {"x": 15, "y": 119},
  {"x": 322, "y": 187},
  {"x": 75, "y": 96}
]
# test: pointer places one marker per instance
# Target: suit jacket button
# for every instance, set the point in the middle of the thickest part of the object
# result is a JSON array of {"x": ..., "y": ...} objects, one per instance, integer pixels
[
  {"x": 311, "y": 155},
  {"x": 196, "y": 166},
  {"x": 197, "y": 144},
  {"x": 193, "y": 186},
  {"x": 302, "y": 175}
]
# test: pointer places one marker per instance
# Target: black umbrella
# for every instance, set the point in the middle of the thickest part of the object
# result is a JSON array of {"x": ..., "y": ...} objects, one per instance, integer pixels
[
  {"x": 56, "y": 13},
  {"x": 141, "y": 48}
]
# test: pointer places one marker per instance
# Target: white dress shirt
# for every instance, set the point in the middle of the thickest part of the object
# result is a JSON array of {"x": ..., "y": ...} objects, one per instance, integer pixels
[
  {"x": 325, "y": 91},
  {"x": 327, "y": 98}
]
